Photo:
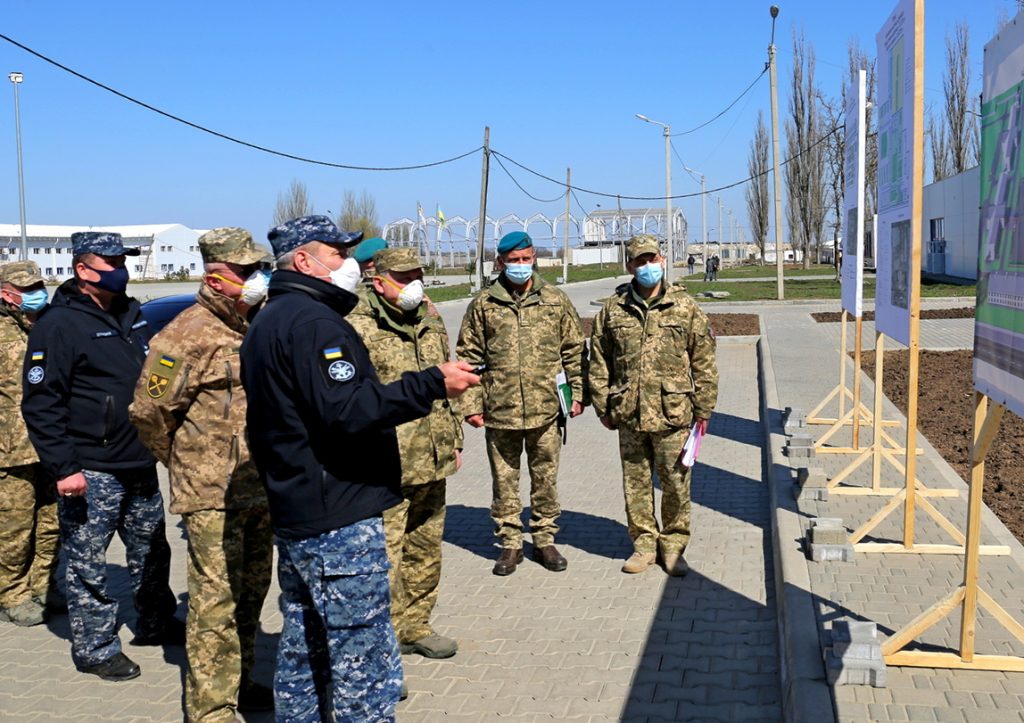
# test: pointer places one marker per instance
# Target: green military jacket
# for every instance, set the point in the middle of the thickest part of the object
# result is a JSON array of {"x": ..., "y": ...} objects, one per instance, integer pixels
[
  {"x": 15, "y": 448},
  {"x": 652, "y": 368},
  {"x": 189, "y": 408},
  {"x": 398, "y": 343},
  {"x": 525, "y": 344}
]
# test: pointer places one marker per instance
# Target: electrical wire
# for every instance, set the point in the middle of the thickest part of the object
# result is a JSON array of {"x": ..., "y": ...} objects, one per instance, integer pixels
[
  {"x": 226, "y": 137},
  {"x": 726, "y": 109},
  {"x": 520, "y": 186}
]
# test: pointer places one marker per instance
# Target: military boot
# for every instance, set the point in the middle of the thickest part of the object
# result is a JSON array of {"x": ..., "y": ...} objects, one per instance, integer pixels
[
  {"x": 675, "y": 565},
  {"x": 432, "y": 646},
  {"x": 550, "y": 558},
  {"x": 510, "y": 558},
  {"x": 25, "y": 614}
]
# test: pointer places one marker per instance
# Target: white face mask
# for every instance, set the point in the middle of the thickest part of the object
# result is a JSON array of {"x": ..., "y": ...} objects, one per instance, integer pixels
[
  {"x": 254, "y": 290},
  {"x": 346, "y": 276},
  {"x": 411, "y": 295}
]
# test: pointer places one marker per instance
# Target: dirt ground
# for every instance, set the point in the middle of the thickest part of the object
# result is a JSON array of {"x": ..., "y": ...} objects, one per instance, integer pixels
[
  {"x": 722, "y": 324},
  {"x": 961, "y": 312},
  {"x": 945, "y": 416}
]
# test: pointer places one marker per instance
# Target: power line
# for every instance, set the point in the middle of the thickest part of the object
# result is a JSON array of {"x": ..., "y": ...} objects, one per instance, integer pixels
[
  {"x": 726, "y": 109},
  {"x": 520, "y": 186},
  {"x": 224, "y": 136}
]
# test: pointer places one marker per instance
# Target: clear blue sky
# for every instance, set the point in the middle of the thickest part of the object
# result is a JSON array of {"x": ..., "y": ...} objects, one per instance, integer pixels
[{"x": 399, "y": 83}]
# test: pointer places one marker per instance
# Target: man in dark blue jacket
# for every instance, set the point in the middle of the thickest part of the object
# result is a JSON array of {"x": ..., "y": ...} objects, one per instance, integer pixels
[
  {"x": 321, "y": 431},
  {"x": 84, "y": 354}
]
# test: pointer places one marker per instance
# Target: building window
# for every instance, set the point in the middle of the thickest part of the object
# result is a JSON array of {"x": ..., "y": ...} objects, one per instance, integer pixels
[
  {"x": 49, "y": 271},
  {"x": 163, "y": 267},
  {"x": 138, "y": 269},
  {"x": 191, "y": 267},
  {"x": 57, "y": 250},
  {"x": 60, "y": 271},
  {"x": 938, "y": 226}
]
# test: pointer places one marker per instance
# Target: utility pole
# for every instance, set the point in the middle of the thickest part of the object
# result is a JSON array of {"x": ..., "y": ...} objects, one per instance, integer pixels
[
  {"x": 670, "y": 242},
  {"x": 565, "y": 239},
  {"x": 481, "y": 227},
  {"x": 16, "y": 79},
  {"x": 780, "y": 290},
  {"x": 720, "y": 234},
  {"x": 704, "y": 220}
]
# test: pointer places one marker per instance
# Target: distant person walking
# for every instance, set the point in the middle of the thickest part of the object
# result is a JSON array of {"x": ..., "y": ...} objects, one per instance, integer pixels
[{"x": 690, "y": 262}]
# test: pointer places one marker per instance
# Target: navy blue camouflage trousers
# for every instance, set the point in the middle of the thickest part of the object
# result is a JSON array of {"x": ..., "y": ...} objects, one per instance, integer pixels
[
  {"x": 338, "y": 657},
  {"x": 127, "y": 502}
]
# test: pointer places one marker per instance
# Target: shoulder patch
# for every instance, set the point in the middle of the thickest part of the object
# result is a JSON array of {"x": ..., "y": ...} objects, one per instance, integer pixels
[
  {"x": 340, "y": 371},
  {"x": 333, "y": 352},
  {"x": 157, "y": 385},
  {"x": 35, "y": 374},
  {"x": 167, "y": 361},
  {"x": 38, "y": 356}
]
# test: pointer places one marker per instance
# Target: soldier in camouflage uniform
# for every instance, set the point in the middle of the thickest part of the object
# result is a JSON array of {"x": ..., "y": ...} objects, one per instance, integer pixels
[
  {"x": 29, "y": 535},
  {"x": 402, "y": 334},
  {"x": 526, "y": 332},
  {"x": 189, "y": 409},
  {"x": 652, "y": 373}
]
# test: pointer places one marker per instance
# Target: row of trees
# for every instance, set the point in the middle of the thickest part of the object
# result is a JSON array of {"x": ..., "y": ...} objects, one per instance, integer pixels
[
  {"x": 815, "y": 144},
  {"x": 358, "y": 212}
]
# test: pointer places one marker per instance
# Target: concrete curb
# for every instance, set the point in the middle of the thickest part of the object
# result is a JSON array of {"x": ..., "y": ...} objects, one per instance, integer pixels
[{"x": 806, "y": 696}]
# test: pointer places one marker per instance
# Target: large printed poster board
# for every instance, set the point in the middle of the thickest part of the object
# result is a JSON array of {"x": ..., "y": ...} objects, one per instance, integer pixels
[
  {"x": 895, "y": 165},
  {"x": 999, "y": 323},
  {"x": 853, "y": 199}
]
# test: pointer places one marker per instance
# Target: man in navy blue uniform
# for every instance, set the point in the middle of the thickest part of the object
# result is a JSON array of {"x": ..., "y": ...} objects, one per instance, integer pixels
[
  {"x": 84, "y": 354},
  {"x": 321, "y": 431}
]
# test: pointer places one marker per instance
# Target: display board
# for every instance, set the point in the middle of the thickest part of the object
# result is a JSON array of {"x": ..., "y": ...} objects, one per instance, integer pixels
[
  {"x": 999, "y": 318},
  {"x": 853, "y": 199},
  {"x": 895, "y": 162}
]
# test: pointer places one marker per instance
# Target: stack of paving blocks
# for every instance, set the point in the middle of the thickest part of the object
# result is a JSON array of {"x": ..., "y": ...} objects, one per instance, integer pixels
[
  {"x": 811, "y": 484},
  {"x": 853, "y": 654},
  {"x": 828, "y": 540}
]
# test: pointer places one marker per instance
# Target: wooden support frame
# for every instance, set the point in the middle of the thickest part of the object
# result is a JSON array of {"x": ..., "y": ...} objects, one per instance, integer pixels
[{"x": 968, "y": 596}]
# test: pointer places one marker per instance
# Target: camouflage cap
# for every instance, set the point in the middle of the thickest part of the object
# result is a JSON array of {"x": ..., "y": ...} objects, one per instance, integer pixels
[
  {"x": 231, "y": 245},
  {"x": 306, "y": 229},
  {"x": 642, "y": 244},
  {"x": 397, "y": 259},
  {"x": 101, "y": 243},
  {"x": 367, "y": 248},
  {"x": 21, "y": 273}
]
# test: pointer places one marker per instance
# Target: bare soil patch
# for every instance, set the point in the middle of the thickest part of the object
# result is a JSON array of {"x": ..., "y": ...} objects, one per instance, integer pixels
[
  {"x": 723, "y": 324},
  {"x": 960, "y": 312},
  {"x": 945, "y": 417}
]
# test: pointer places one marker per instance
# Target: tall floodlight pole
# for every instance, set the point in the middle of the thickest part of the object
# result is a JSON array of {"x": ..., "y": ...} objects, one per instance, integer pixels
[
  {"x": 721, "y": 235},
  {"x": 669, "y": 242},
  {"x": 16, "y": 79},
  {"x": 703, "y": 212},
  {"x": 482, "y": 226},
  {"x": 565, "y": 238},
  {"x": 775, "y": 158}
]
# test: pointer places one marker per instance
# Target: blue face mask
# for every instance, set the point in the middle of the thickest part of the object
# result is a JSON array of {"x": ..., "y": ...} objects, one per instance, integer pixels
[
  {"x": 34, "y": 301},
  {"x": 649, "y": 275},
  {"x": 518, "y": 274}
]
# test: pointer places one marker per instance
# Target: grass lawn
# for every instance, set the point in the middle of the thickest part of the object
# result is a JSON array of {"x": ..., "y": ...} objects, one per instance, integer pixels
[
  {"x": 768, "y": 270},
  {"x": 812, "y": 289}
]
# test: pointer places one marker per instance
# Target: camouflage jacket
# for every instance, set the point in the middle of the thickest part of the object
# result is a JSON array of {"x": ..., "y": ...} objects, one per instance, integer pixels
[
  {"x": 525, "y": 344},
  {"x": 15, "y": 448},
  {"x": 189, "y": 408},
  {"x": 652, "y": 368},
  {"x": 397, "y": 345}
]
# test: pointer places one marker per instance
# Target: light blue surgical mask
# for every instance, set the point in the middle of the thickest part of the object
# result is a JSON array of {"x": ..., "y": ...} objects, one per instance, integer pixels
[
  {"x": 518, "y": 274},
  {"x": 649, "y": 275},
  {"x": 34, "y": 301}
]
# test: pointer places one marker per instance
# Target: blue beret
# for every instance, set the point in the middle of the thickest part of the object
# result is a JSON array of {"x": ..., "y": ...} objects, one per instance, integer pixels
[
  {"x": 306, "y": 229},
  {"x": 367, "y": 248},
  {"x": 101, "y": 243},
  {"x": 514, "y": 241}
]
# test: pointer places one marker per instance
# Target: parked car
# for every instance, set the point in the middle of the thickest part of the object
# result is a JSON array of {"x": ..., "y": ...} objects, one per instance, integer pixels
[{"x": 159, "y": 312}]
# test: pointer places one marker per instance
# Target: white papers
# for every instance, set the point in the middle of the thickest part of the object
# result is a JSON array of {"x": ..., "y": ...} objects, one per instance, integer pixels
[{"x": 692, "y": 447}]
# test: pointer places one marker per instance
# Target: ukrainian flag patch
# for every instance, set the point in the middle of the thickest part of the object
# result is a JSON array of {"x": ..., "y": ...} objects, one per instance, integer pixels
[
  {"x": 167, "y": 361},
  {"x": 333, "y": 352},
  {"x": 38, "y": 355}
]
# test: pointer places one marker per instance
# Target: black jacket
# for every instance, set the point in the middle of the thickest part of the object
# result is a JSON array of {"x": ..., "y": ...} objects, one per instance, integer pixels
[
  {"x": 79, "y": 378},
  {"x": 320, "y": 423}
]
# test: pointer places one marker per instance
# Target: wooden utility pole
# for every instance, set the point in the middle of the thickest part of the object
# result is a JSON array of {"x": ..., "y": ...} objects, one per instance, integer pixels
[{"x": 481, "y": 227}]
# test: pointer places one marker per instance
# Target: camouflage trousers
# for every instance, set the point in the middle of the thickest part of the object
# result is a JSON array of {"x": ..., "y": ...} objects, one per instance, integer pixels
[
  {"x": 127, "y": 502},
  {"x": 230, "y": 553},
  {"x": 29, "y": 535},
  {"x": 414, "y": 530},
  {"x": 505, "y": 451},
  {"x": 338, "y": 658},
  {"x": 644, "y": 454}
]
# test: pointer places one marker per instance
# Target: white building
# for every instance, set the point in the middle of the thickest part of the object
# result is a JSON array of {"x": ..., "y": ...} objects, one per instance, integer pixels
[
  {"x": 949, "y": 246},
  {"x": 166, "y": 248}
]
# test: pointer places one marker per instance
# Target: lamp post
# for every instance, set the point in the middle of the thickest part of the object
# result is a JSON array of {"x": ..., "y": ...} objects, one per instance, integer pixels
[
  {"x": 703, "y": 212},
  {"x": 780, "y": 291},
  {"x": 16, "y": 79},
  {"x": 669, "y": 242}
]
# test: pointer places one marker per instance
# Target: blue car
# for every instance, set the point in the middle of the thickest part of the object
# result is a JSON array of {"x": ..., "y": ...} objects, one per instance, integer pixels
[{"x": 159, "y": 312}]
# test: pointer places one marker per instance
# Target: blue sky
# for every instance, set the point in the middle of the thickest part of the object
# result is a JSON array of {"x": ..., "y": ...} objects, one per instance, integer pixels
[{"x": 400, "y": 83}]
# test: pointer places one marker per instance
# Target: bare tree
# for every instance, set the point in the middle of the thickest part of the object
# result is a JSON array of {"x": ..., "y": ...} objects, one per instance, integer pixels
[
  {"x": 359, "y": 213},
  {"x": 955, "y": 137},
  {"x": 833, "y": 110},
  {"x": 757, "y": 190},
  {"x": 805, "y": 165},
  {"x": 292, "y": 203}
]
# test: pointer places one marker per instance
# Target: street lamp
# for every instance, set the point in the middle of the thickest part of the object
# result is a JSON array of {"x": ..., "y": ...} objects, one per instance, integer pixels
[
  {"x": 774, "y": 10},
  {"x": 16, "y": 79},
  {"x": 668, "y": 194},
  {"x": 703, "y": 211}
]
